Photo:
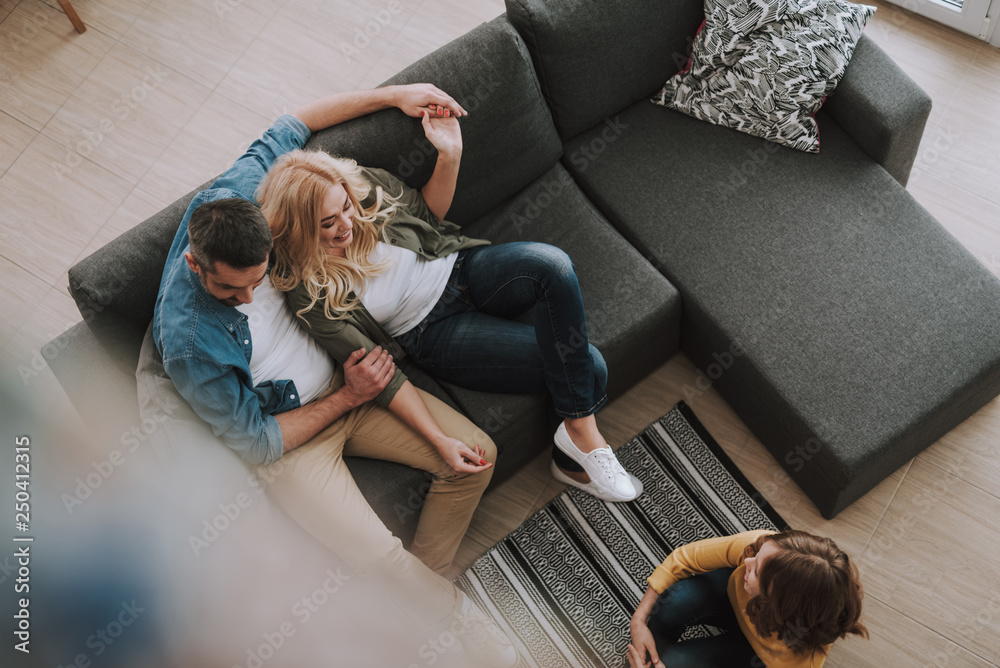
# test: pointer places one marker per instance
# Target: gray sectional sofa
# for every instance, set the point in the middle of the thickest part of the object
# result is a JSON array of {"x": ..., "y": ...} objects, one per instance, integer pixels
[{"x": 845, "y": 326}]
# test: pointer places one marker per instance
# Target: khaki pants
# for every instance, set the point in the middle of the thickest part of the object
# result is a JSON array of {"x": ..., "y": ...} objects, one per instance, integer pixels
[{"x": 313, "y": 485}]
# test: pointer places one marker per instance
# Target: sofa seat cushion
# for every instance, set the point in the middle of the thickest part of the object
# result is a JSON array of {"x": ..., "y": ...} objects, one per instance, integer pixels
[
  {"x": 867, "y": 330},
  {"x": 633, "y": 312}
]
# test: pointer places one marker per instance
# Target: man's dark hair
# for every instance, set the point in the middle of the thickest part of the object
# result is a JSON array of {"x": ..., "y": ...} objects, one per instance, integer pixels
[{"x": 232, "y": 230}]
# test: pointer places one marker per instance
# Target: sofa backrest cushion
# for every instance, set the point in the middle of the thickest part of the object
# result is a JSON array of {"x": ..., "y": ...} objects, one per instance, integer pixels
[
  {"x": 508, "y": 137},
  {"x": 594, "y": 57}
]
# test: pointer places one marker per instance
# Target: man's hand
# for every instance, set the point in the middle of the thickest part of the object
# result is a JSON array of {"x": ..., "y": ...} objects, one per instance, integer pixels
[
  {"x": 460, "y": 457},
  {"x": 365, "y": 378},
  {"x": 413, "y": 99}
]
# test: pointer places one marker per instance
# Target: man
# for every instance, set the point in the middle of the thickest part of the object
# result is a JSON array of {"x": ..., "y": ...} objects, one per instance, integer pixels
[{"x": 240, "y": 358}]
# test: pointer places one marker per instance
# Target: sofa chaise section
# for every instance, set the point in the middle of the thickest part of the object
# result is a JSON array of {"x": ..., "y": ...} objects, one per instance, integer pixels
[
  {"x": 845, "y": 326},
  {"x": 866, "y": 331}
]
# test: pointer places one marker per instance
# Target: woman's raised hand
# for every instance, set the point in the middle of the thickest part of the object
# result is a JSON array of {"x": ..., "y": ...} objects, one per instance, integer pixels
[
  {"x": 444, "y": 133},
  {"x": 441, "y": 128},
  {"x": 414, "y": 99}
]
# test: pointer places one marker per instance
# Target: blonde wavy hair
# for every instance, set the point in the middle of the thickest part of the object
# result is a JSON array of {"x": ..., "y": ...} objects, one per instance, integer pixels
[{"x": 291, "y": 198}]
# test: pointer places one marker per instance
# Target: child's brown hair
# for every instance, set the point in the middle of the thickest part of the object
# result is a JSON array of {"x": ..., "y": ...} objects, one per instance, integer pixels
[{"x": 810, "y": 594}]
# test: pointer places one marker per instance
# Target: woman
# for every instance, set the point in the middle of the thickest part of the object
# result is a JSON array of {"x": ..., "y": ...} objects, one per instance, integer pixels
[
  {"x": 781, "y": 600},
  {"x": 364, "y": 258}
]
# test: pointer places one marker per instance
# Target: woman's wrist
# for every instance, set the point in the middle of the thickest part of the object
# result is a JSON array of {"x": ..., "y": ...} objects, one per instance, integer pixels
[
  {"x": 449, "y": 158},
  {"x": 437, "y": 439},
  {"x": 641, "y": 616}
]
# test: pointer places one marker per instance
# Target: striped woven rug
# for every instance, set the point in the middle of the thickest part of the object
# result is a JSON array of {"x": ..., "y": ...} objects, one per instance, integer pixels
[{"x": 564, "y": 584}]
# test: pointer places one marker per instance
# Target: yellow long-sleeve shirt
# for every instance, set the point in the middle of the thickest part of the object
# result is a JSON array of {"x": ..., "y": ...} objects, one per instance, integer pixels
[{"x": 727, "y": 552}]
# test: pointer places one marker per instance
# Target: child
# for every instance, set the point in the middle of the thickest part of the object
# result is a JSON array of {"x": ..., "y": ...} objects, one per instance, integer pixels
[{"x": 780, "y": 598}]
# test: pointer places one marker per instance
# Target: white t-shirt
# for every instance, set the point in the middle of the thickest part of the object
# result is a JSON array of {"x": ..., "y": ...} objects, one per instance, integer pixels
[
  {"x": 404, "y": 294},
  {"x": 282, "y": 348}
]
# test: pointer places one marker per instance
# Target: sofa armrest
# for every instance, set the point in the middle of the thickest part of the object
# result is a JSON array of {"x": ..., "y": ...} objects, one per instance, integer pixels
[
  {"x": 881, "y": 108},
  {"x": 98, "y": 386}
]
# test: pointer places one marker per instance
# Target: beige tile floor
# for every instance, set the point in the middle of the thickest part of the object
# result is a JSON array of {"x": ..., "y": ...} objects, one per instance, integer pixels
[{"x": 100, "y": 130}]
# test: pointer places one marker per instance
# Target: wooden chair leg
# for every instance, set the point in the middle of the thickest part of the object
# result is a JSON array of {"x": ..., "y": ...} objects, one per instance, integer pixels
[{"x": 73, "y": 16}]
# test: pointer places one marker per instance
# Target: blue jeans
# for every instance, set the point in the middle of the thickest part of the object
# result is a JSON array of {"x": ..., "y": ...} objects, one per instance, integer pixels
[
  {"x": 700, "y": 599},
  {"x": 471, "y": 337}
]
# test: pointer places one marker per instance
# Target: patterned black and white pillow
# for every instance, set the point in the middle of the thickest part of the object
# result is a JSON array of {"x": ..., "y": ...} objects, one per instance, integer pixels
[{"x": 764, "y": 67}]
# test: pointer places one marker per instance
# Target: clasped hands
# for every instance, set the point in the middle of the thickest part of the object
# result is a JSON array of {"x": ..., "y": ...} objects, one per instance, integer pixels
[{"x": 439, "y": 114}]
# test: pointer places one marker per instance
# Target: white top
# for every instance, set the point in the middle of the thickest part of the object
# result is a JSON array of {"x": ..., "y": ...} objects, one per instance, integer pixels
[
  {"x": 406, "y": 292},
  {"x": 282, "y": 348}
]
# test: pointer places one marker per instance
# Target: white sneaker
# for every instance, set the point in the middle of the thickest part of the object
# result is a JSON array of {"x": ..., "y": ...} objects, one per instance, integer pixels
[
  {"x": 590, "y": 487},
  {"x": 608, "y": 480},
  {"x": 482, "y": 638}
]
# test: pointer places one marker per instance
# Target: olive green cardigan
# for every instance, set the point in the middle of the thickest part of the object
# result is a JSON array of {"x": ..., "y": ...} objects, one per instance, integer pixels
[{"x": 413, "y": 226}]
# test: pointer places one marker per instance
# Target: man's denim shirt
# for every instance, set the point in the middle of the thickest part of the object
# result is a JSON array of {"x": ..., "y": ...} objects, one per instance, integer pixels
[{"x": 205, "y": 344}]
